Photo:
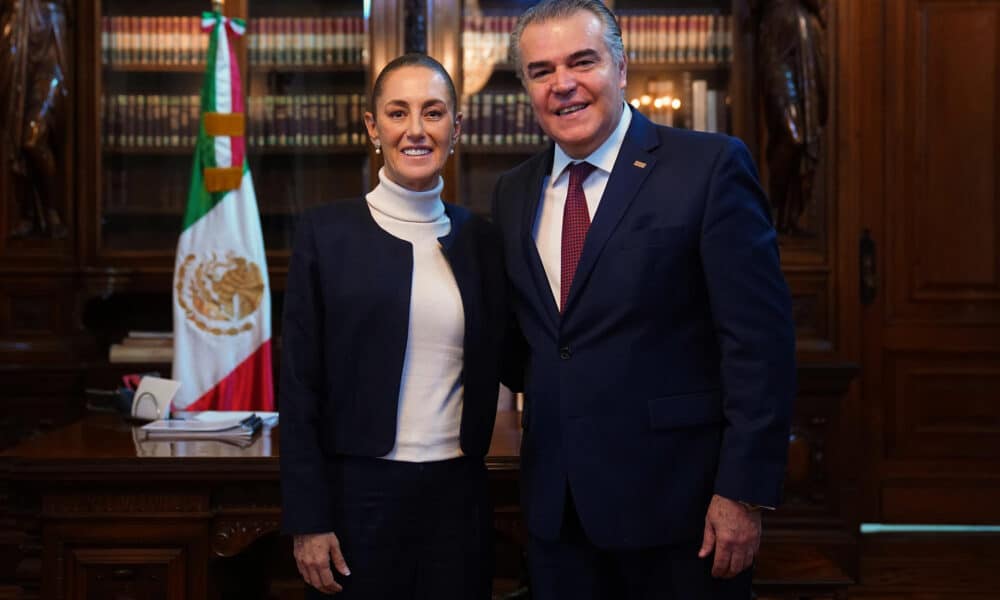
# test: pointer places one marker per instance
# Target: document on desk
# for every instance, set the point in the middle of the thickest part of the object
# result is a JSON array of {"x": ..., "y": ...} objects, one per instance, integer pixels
[
  {"x": 234, "y": 428},
  {"x": 269, "y": 419}
]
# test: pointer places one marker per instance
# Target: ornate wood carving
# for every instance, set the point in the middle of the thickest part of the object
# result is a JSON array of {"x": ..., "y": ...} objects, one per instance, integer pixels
[
  {"x": 792, "y": 75},
  {"x": 20, "y": 541},
  {"x": 231, "y": 535},
  {"x": 35, "y": 54},
  {"x": 134, "y": 502}
]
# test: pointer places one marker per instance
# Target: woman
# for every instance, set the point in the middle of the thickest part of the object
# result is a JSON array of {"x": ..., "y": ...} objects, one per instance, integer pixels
[{"x": 393, "y": 323}]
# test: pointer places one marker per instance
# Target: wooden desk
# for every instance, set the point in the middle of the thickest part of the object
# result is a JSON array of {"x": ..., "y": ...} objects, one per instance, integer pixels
[{"x": 108, "y": 514}]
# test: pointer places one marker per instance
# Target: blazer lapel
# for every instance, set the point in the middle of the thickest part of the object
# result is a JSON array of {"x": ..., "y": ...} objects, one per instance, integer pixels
[
  {"x": 466, "y": 270},
  {"x": 532, "y": 191},
  {"x": 633, "y": 165}
]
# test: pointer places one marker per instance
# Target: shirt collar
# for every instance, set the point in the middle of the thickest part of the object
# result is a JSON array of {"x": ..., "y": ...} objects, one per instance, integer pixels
[{"x": 603, "y": 157}]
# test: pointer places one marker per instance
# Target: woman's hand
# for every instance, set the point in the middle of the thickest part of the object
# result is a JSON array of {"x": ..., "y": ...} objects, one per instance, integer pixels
[{"x": 314, "y": 552}]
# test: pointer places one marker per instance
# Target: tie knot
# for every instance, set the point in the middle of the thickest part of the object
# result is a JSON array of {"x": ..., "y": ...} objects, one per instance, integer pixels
[{"x": 578, "y": 172}]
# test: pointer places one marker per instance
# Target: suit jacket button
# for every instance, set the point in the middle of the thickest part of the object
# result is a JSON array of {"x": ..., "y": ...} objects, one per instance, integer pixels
[{"x": 564, "y": 353}]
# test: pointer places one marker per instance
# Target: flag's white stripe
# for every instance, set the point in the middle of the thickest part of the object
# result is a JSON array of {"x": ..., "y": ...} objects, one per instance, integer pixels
[
  {"x": 223, "y": 96},
  {"x": 232, "y": 225}
]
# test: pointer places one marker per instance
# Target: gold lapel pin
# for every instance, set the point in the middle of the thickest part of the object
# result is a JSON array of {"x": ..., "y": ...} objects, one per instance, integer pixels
[{"x": 639, "y": 164}]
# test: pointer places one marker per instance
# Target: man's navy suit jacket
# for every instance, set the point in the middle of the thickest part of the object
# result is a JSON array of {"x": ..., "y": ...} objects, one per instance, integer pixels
[
  {"x": 670, "y": 374},
  {"x": 346, "y": 317}
]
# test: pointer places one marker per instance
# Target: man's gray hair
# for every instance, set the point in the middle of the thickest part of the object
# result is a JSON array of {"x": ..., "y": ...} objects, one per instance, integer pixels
[{"x": 558, "y": 9}]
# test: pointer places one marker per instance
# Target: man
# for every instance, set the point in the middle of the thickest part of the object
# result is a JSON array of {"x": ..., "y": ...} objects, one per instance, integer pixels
[{"x": 660, "y": 361}]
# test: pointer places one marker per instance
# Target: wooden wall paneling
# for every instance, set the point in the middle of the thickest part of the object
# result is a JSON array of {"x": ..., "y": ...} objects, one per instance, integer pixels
[
  {"x": 164, "y": 559},
  {"x": 144, "y": 572},
  {"x": 87, "y": 179},
  {"x": 926, "y": 566},
  {"x": 932, "y": 336},
  {"x": 6, "y": 193},
  {"x": 944, "y": 224},
  {"x": 944, "y": 405},
  {"x": 862, "y": 135},
  {"x": 813, "y": 300},
  {"x": 40, "y": 318},
  {"x": 742, "y": 86}
]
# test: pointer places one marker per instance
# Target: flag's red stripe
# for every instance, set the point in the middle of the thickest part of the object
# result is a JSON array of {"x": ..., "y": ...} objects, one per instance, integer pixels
[
  {"x": 236, "y": 142},
  {"x": 247, "y": 387}
]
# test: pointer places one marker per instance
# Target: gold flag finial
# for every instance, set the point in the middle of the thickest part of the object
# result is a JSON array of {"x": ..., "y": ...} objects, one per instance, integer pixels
[{"x": 218, "y": 5}]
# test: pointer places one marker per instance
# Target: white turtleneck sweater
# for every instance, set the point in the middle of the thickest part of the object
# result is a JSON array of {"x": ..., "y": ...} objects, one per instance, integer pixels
[{"x": 430, "y": 395}]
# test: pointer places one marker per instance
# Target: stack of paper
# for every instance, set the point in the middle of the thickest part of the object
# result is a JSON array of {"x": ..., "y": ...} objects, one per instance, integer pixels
[
  {"x": 269, "y": 419},
  {"x": 237, "y": 428},
  {"x": 143, "y": 347}
]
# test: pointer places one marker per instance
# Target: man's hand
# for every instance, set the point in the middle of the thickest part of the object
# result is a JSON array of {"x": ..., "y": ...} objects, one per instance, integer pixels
[
  {"x": 734, "y": 532},
  {"x": 313, "y": 554}
]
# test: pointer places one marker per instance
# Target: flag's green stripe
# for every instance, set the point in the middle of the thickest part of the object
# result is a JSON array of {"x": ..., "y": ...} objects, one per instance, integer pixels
[
  {"x": 208, "y": 85},
  {"x": 200, "y": 201}
]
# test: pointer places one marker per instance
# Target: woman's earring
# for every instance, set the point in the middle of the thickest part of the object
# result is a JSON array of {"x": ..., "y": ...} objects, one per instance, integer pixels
[
  {"x": 378, "y": 147},
  {"x": 452, "y": 151}
]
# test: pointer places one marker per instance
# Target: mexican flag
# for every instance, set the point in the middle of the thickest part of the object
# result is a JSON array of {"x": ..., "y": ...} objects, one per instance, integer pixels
[{"x": 222, "y": 299}]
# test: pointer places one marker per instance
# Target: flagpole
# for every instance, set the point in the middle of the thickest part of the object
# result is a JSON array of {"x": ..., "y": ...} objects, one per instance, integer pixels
[{"x": 218, "y": 5}]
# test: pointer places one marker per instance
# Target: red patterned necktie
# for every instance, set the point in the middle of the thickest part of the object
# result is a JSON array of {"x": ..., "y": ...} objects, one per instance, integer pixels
[{"x": 576, "y": 221}]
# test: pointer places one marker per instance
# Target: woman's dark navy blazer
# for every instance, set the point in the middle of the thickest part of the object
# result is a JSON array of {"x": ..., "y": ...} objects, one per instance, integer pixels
[{"x": 346, "y": 314}]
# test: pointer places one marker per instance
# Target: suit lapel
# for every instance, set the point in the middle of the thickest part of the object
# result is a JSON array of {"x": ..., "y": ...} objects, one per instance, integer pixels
[
  {"x": 633, "y": 165},
  {"x": 532, "y": 190}
]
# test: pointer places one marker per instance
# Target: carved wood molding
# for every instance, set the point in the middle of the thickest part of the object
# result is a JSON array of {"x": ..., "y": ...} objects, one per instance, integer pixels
[
  {"x": 138, "y": 503},
  {"x": 230, "y": 536},
  {"x": 21, "y": 543}
]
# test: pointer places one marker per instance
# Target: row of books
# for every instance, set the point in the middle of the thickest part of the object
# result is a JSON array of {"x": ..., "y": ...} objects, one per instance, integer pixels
[
  {"x": 500, "y": 119},
  {"x": 709, "y": 109},
  {"x": 281, "y": 40},
  {"x": 153, "y": 40},
  {"x": 149, "y": 120},
  {"x": 143, "y": 347},
  {"x": 307, "y": 41},
  {"x": 149, "y": 188},
  {"x": 676, "y": 37},
  {"x": 144, "y": 188},
  {"x": 332, "y": 120},
  {"x": 168, "y": 121},
  {"x": 306, "y": 120}
]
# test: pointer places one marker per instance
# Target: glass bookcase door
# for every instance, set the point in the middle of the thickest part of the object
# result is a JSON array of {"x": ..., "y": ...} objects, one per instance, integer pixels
[
  {"x": 680, "y": 62},
  {"x": 305, "y": 80},
  {"x": 152, "y": 61},
  {"x": 499, "y": 130},
  {"x": 680, "y": 55},
  {"x": 306, "y": 99}
]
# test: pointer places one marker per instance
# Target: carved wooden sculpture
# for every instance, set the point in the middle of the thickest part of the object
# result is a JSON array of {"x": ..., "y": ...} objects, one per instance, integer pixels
[
  {"x": 791, "y": 65},
  {"x": 33, "y": 105}
]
